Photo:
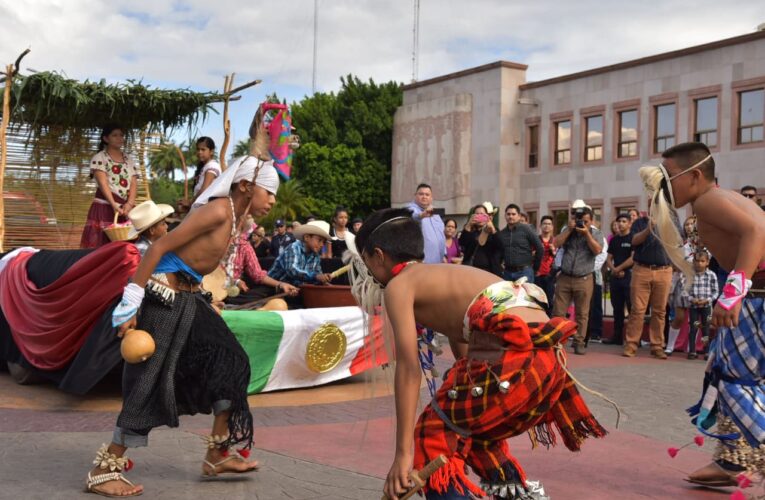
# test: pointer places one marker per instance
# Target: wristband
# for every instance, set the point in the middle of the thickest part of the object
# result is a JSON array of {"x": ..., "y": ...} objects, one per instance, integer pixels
[
  {"x": 734, "y": 291},
  {"x": 132, "y": 297}
]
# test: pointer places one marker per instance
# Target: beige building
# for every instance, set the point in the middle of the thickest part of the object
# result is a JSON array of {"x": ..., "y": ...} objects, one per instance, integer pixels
[{"x": 486, "y": 134}]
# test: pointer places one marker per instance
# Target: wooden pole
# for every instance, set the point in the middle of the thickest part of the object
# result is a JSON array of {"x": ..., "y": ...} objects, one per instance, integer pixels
[
  {"x": 227, "y": 84},
  {"x": 185, "y": 175},
  {"x": 4, "y": 147}
]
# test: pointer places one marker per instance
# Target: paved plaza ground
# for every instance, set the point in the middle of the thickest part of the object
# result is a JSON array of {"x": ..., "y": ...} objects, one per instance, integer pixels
[{"x": 336, "y": 442}]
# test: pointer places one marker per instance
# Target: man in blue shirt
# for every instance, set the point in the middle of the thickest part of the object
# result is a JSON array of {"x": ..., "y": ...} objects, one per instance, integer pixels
[
  {"x": 300, "y": 262},
  {"x": 282, "y": 239},
  {"x": 431, "y": 224}
]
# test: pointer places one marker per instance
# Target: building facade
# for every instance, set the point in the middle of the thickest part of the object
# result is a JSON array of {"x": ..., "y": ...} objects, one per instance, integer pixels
[{"x": 486, "y": 134}]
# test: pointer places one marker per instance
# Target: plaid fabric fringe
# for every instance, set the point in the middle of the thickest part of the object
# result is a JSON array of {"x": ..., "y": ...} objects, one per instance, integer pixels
[{"x": 541, "y": 399}]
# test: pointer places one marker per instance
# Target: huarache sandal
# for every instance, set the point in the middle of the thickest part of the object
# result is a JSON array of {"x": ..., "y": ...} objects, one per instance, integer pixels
[
  {"x": 713, "y": 476},
  {"x": 105, "y": 460},
  {"x": 211, "y": 469}
]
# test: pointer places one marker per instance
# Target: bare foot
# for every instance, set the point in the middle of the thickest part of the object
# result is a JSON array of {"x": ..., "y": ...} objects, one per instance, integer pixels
[{"x": 233, "y": 465}]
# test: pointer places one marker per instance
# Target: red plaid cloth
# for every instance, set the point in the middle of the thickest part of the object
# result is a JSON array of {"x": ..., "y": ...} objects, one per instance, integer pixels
[{"x": 541, "y": 397}]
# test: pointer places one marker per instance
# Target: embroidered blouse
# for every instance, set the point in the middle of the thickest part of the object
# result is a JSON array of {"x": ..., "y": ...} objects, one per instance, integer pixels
[
  {"x": 118, "y": 174},
  {"x": 246, "y": 261}
]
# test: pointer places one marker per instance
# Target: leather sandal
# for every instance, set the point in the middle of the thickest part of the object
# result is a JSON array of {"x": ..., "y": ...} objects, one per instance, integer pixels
[
  {"x": 105, "y": 460},
  {"x": 714, "y": 476},
  {"x": 229, "y": 455}
]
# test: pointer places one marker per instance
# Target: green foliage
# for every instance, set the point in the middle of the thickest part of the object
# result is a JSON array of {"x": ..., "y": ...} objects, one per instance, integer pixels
[
  {"x": 240, "y": 149},
  {"x": 165, "y": 191},
  {"x": 48, "y": 99},
  {"x": 291, "y": 204},
  {"x": 346, "y": 140},
  {"x": 165, "y": 161},
  {"x": 342, "y": 175}
]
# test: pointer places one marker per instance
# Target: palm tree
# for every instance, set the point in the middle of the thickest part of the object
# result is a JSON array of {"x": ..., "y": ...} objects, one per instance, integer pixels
[
  {"x": 165, "y": 161},
  {"x": 291, "y": 203},
  {"x": 242, "y": 148}
]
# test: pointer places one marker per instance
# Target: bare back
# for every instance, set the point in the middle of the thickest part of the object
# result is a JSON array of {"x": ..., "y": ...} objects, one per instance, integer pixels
[
  {"x": 442, "y": 293},
  {"x": 723, "y": 217}
]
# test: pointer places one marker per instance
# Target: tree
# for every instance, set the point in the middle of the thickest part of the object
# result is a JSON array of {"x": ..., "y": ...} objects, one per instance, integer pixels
[
  {"x": 165, "y": 161},
  {"x": 291, "y": 204},
  {"x": 242, "y": 148},
  {"x": 346, "y": 145}
]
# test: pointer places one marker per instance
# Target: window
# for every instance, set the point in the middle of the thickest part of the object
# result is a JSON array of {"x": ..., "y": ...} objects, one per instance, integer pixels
[
  {"x": 560, "y": 220},
  {"x": 533, "y": 160},
  {"x": 532, "y": 215},
  {"x": 663, "y": 127},
  {"x": 751, "y": 115},
  {"x": 705, "y": 121},
  {"x": 628, "y": 123},
  {"x": 593, "y": 150},
  {"x": 563, "y": 142}
]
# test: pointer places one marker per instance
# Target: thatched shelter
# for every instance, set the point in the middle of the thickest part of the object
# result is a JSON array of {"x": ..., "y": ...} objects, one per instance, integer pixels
[{"x": 50, "y": 129}]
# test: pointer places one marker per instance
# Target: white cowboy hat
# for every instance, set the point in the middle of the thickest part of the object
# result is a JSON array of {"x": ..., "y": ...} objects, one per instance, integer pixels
[
  {"x": 490, "y": 209},
  {"x": 317, "y": 227},
  {"x": 145, "y": 215}
]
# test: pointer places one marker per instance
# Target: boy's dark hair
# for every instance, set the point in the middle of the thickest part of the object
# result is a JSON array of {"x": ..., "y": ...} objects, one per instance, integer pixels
[
  {"x": 546, "y": 217},
  {"x": 747, "y": 188},
  {"x": 513, "y": 205},
  {"x": 401, "y": 238},
  {"x": 623, "y": 215},
  {"x": 423, "y": 185},
  {"x": 690, "y": 153},
  {"x": 702, "y": 252}
]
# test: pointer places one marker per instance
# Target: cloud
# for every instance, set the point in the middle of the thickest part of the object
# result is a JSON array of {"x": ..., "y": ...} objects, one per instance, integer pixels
[{"x": 196, "y": 42}]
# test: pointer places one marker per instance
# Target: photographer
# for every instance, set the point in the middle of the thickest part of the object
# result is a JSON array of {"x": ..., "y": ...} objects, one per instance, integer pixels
[
  {"x": 430, "y": 222},
  {"x": 581, "y": 244},
  {"x": 479, "y": 241}
]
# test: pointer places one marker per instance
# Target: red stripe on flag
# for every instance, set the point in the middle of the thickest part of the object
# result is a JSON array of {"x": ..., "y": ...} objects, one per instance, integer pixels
[{"x": 372, "y": 353}]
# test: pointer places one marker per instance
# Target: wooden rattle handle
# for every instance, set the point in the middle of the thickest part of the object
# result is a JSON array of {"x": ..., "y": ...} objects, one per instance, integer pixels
[
  {"x": 420, "y": 478},
  {"x": 339, "y": 272}
]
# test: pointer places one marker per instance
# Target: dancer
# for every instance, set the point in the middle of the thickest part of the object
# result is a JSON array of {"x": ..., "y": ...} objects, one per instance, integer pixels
[
  {"x": 198, "y": 365},
  {"x": 513, "y": 380},
  {"x": 115, "y": 176},
  {"x": 733, "y": 229}
]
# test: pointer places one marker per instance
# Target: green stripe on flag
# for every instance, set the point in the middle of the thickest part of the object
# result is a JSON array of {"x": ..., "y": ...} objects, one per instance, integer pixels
[{"x": 260, "y": 333}]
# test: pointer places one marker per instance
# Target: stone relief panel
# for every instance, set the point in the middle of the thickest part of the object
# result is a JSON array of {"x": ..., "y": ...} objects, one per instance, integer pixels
[{"x": 432, "y": 142}]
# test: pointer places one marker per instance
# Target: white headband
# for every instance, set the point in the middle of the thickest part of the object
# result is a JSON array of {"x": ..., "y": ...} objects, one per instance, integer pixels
[
  {"x": 243, "y": 168},
  {"x": 669, "y": 178}
]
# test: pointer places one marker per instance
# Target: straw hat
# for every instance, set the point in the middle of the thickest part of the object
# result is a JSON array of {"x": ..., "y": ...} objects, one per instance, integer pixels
[
  {"x": 145, "y": 215},
  {"x": 317, "y": 227}
]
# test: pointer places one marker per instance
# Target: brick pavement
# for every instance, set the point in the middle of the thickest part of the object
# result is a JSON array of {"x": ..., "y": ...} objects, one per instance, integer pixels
[{"x": 341, "y": 447}]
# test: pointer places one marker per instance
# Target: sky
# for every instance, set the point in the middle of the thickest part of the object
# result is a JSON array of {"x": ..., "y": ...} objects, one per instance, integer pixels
[{"x": 195, "y": 43}]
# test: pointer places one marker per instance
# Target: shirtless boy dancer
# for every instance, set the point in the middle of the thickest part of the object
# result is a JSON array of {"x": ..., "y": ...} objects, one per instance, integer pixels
[
  {"x": 732, "y": 227},
  {"x": 511, "y": 381},
  {"x": 198, "y": 366}
]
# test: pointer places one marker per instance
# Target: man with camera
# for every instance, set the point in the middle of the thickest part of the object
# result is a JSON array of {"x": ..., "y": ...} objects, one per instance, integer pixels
[
  {"x": 581, "y": 243},
  {"x": 430, "y": 222}
]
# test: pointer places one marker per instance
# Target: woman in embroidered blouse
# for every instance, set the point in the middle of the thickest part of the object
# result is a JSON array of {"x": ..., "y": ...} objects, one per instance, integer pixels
[
  {"x": 207, "y": 168},
  {"x": 115, "y": 176}
]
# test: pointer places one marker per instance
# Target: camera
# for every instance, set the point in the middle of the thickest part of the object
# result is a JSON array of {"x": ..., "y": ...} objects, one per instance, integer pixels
[{"x": 578, "y": 214}]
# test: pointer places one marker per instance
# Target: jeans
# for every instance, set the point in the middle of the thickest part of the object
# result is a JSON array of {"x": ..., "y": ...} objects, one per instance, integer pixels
[
  {"x": 620, "y": 296},
  {"x": 527, "y": 271},
  {"x": 595, "y": 322},
  {"x": 547, "y": 283},
  {"x": 700, "y": 315}
]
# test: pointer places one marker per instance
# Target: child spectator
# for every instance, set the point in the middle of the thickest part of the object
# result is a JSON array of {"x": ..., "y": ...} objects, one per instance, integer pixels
[{"x": 702, "y": 293}]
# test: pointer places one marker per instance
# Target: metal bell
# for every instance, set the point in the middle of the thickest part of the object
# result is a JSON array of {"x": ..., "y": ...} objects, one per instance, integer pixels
[
  {"x": 451, "y": 394},
  {"x": 476, "y": 391},
  {"x": 434, "y": 372},
  {"x": 504, "y": 386}
]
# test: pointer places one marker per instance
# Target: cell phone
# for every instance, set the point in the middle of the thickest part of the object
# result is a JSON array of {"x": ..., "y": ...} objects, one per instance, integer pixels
[{"x": 482, "y": 218}]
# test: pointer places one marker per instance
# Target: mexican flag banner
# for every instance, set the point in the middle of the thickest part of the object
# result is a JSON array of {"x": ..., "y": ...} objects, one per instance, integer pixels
[{"x": 305, "y": 347}]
